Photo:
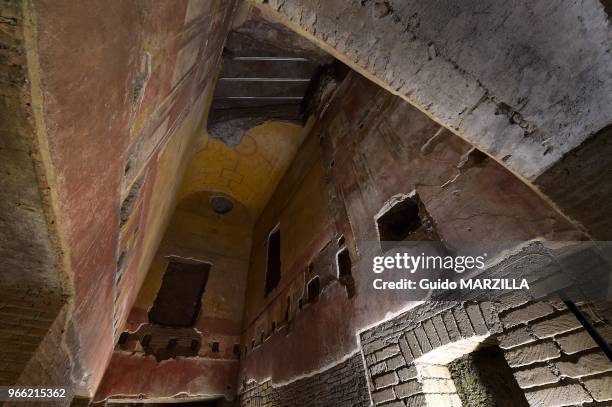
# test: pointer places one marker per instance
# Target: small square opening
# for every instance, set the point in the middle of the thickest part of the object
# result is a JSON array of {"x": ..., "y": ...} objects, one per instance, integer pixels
[{"x": 399, "y": 221}]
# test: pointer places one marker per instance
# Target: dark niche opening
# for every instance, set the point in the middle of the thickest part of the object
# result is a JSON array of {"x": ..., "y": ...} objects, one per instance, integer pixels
[
  {"x": 344, "y": 264},
  {"x": 123, "y": 338},
  {"x": 400, "y": 221},
  {"x": 484, "y": 379},
  {"x": 273, "y": 269},
  {"x": 179, "y": 298},
  {"x": 343, "y": 259},
  {"x": 406, "y": 219},
  {"x": 314, "y": 289}
]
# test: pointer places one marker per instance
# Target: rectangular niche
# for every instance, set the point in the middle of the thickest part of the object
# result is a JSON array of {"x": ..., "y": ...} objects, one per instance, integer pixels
[
  {"x": 179, "y": 298},
  {"x": 343, "y": 263},
  {"x": 273, "y": 266},
  {"x": 404, "y": 217},
  {"x": 399, "y": 221},
  {"x": 313, "y": 289}
]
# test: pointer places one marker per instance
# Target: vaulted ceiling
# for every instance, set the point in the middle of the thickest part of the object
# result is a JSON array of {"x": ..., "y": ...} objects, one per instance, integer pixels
[{"x": 259, "y": 112}]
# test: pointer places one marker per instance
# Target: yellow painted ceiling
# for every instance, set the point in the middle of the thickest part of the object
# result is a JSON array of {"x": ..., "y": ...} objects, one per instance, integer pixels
[{"x": 248, "y": 173}]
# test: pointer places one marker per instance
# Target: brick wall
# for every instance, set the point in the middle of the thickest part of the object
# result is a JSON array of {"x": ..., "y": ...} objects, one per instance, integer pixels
[
  {"x": 24, "y": 320},
  {"x": 553, "y": 359},
  {"x": 31, "y": 285},
  {"x": 551, "y": 356},
  {"x": 341, "y": 385},
  {"x": 50, "y": 364}
]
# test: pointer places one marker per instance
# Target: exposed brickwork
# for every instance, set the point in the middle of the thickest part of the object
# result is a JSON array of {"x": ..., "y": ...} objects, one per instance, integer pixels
[
  {"x": 562, "y": 395},
  {"x": 24, "y": 321},
  {"x": 50, "y": 364},
  {"x": 341, "y": 385},
  {"x": 31, "y": 286},
  {"x": 552, "y": 358}
]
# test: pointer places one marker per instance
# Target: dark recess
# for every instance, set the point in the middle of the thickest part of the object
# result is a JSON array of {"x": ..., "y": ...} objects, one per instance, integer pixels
[
  {"x": 273, "y": 270},
  {"x": 344, "y": 263},
  {"x": 345, "y": 271},
  {"x": 400, "y": 221},
  {"x": 179, "y": 299},
  {"x": 123, "y": 338},
  {"x": 484, "y": 379},
  {"x": 607, "y": 7},
  {"x": 313, "y": 289}
]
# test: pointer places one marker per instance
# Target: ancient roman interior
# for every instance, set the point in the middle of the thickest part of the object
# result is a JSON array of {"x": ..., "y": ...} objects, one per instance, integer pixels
[{"x": 191, "y": 190}]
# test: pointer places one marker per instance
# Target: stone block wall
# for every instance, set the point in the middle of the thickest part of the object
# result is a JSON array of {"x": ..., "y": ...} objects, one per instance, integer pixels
[
  {"x": 539, "y": 341},
  {"x": 341, "y": 385},
  {"x": 551, "y": 356}
]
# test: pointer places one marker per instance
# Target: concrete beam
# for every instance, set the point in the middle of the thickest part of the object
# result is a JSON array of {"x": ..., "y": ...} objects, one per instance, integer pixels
[{"x": 525, "y": 82}]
